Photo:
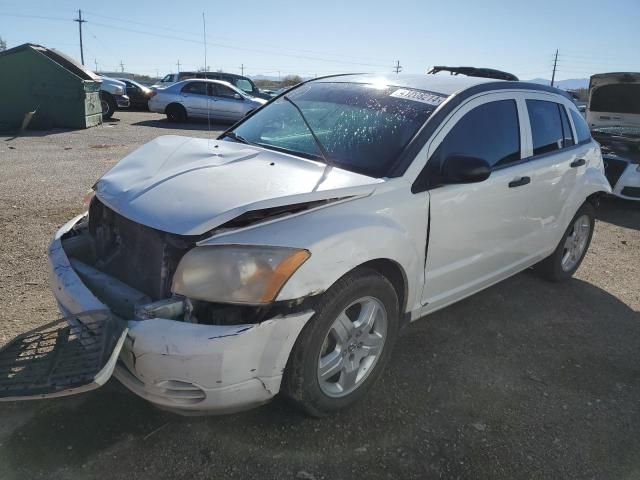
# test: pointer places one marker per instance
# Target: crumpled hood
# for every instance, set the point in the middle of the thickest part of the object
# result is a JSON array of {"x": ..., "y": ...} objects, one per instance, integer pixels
[{"x": 188, "y": 186}]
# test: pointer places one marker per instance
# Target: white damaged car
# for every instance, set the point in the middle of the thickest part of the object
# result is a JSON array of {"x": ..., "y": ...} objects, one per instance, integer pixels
[{"x": 285, "y": 256}]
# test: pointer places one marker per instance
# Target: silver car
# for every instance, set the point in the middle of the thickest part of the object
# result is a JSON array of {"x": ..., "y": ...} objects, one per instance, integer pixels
[{"x": 201, "y": 98}]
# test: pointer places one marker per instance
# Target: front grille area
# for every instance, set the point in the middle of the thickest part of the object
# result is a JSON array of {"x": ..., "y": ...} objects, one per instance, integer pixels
[
  {"x": 631, "y": 192},
  {"x": 59, "y": 357},
  {"x": 613, "y": 169},
  {"x": 142, "y": 257}
]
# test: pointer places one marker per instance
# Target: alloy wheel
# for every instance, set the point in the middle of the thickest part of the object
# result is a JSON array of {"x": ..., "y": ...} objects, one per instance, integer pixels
[
  {"x": 352, "y": 347},
  {"x": 576, "y": 242}
]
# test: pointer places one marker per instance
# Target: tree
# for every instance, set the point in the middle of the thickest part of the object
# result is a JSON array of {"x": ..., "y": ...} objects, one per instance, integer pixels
[
  {"x": 291, "y": 80},
  {"x": 3, "y": 45}
]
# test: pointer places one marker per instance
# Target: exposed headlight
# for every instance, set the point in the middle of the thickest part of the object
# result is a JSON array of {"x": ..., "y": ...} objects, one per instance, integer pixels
[{"x": 236, "y": 273}]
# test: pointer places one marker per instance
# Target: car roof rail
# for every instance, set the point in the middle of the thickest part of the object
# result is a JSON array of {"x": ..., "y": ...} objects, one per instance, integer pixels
[{"x": 475, "y": 72}]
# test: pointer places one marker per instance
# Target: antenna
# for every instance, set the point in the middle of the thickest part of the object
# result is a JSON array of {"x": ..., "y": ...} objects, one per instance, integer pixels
[{"x": 204, "y": 37}]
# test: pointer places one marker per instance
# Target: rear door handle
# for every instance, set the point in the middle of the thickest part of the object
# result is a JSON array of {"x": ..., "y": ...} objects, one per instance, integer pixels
[
  {"x": 519, "y": 182},
  {"x": 578, "y": 163}
]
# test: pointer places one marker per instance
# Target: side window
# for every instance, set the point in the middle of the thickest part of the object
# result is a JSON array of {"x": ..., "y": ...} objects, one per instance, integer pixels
[
  {"x": 582, "y": 129},
  {"x": 546, "y": 126},
  {"x": 223, "y": 91},
  {"x": 197, "y": 88},
  {"x": 490, "y": 131}
]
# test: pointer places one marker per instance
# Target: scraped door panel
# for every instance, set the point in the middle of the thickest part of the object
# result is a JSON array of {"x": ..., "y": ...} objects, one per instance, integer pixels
[{"x": 479, "y": 234}]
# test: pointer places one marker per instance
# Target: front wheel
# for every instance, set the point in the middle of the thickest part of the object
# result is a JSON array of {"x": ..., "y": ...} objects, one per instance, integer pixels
[
  {"x": 108, "y": 105},
  {"x": 567, "y": 257},
  {"x": 343, "y": 349}
]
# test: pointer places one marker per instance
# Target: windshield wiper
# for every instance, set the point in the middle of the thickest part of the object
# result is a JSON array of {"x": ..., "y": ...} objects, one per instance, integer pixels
[
  {"x": 323, "y": 151},
  {"x": 237, "y": 138}
]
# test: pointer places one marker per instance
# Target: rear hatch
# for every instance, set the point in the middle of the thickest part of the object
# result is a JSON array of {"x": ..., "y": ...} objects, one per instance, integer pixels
[{"x": 614, "y": 100}]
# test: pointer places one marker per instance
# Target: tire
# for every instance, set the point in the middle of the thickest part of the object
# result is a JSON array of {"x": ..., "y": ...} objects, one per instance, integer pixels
[
  {"x": 554, "y": 267},
  {"x": 176, "y": 113},
  {"x": 108, "y": 105},
  {"x": 318, "y": 340}
]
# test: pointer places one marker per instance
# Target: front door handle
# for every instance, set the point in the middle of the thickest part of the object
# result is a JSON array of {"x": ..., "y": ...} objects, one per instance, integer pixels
[
  {"x": 519, "y": 182},
  {"x": 578, "y": 163}
]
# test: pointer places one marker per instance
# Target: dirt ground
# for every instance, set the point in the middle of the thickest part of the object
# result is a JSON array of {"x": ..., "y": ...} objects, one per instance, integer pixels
[{"x": 525, "y": 380}]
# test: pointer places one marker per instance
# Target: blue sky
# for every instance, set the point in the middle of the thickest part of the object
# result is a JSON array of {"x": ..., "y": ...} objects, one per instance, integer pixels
[{"x": 330, "y": 36}]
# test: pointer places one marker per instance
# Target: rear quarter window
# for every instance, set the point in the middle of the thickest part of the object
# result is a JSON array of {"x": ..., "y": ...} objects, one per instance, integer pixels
[{"x": 582, "y": 129}]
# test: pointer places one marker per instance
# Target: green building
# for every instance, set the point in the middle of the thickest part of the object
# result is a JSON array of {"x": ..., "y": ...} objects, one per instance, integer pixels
[{"x": 62, "y": 93}]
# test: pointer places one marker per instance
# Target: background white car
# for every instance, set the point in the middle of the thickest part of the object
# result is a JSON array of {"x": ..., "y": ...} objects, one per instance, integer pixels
[
  {"x": 202, "y": 99},
  {"x": 613, "y": 113}
]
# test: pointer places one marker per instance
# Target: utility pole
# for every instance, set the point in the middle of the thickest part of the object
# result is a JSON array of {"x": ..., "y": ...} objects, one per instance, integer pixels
[
  {"x": 555, "y": 63},
  {"x": 121, "y": 67},
  {"x": 178, "y": 66},
  {"x": 96, "y": 63},
  {"x": 397, "y": 68},
  {"x": 242, "y": 69},
  {"x": 80, "y": 22}
]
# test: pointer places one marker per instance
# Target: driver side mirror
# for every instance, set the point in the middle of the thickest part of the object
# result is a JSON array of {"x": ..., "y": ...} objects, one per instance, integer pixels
[
  {"x": 237, "y": 96},
  {"x": 464, "y": 169}
]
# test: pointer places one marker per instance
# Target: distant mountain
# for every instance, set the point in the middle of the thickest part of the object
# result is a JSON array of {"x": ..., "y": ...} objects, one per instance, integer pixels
[{"x": 569, "y": 84}]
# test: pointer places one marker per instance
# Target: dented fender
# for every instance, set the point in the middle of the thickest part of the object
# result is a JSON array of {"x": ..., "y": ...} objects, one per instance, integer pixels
[{"x": 391, "y": 226}]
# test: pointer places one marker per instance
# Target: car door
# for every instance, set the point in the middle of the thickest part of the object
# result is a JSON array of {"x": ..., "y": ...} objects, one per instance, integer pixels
[
  {"x": 478, "y": 233},
  {"x": 195, "y": 99},
  {"x": 229, "y": 104},
  {"x": 556, "y": 165}
]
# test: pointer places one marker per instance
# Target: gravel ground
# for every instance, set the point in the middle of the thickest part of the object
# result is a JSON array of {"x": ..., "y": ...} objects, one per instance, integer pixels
[{"x": 524, "y": 380}]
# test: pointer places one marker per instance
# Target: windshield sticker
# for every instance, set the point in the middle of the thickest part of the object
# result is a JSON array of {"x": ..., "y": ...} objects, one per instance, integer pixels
[{"x": 429, "y": 98}]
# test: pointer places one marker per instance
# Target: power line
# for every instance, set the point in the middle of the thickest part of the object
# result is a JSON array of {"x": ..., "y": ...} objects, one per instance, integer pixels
[
  {"x": 40, "y": 17},
  {"x": 164, "y": 28},
  {"x": 233, "y": 47},
  {"x": 220, "y": 45}
]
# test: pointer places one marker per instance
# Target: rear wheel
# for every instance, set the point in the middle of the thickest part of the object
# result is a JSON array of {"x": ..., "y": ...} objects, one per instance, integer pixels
[
  {"x": 565, "y": 260},
  {"x": 343, "y": 349},
  {"x": 176, "y": 113}
]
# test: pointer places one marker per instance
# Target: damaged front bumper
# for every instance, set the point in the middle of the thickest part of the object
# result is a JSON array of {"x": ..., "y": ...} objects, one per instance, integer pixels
[{"x": 188, "y": 367}]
